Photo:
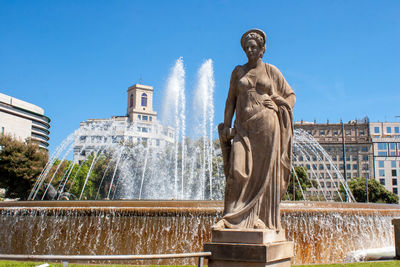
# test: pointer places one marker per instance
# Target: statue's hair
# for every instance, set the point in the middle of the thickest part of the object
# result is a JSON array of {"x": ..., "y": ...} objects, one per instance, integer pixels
[{"x": 254, "y": 34}]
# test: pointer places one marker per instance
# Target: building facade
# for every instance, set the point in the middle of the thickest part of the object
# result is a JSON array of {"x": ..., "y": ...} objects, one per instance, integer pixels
[
  {"x": 139, "y": 125},
  {"x": 386, "y": 153},
  {"x": 24, "y": 120},
  {"x": 357, "y": 161}
]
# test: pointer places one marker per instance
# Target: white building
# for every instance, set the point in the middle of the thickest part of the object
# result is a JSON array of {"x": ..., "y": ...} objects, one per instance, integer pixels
[
  {"x": 23, "y": 120},
  {"x": 139, "y": 125},
  {"x": 386, "y": 150}
]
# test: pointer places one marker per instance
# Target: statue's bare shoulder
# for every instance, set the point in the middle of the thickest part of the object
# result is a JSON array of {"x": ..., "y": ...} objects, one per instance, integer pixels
[{"x": 238, "y": 71}]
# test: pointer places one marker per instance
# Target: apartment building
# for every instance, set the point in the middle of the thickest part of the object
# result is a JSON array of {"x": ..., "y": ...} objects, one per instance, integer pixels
[
  {"x": 386, "y": 152},
  {"x": 140, "y": 124},
  {"x": 24, "y": 120}
]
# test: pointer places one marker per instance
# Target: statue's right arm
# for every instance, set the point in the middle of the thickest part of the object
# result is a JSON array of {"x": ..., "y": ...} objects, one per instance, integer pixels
[{"x": 230, "y": 104}]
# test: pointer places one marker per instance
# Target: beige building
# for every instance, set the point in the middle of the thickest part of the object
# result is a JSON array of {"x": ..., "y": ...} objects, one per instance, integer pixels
[
  {"x": 139, "y": 125},
  {"x": 23, "y": 120},
  {"x": 358, "y": 160},
  {"x": 386, "y": 152}
]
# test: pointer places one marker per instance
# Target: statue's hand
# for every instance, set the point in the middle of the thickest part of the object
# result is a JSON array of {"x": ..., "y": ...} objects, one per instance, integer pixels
[
  {"x": 227, "y": 134},
  {"x": 280, "y": 101},
  {"x": 268, "y": 103}
]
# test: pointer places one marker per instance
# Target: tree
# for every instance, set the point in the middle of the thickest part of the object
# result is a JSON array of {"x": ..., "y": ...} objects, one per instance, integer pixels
[
  {"x": 377, "y": 193},
  {"x": 20, "y": 165},
  {"x": 301, "y": 178}
]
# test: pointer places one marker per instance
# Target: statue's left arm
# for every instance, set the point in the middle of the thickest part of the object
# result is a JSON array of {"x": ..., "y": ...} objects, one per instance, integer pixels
[
  {"x": 285, "y": 94},
  {"x": 285, "y": 99}
]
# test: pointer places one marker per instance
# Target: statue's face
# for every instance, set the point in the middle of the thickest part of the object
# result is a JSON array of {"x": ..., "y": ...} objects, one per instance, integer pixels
[{"x": 253, "y": 50}]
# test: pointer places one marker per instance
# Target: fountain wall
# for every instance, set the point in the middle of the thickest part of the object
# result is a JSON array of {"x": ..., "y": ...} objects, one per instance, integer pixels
[{"x": 322, "y": 232}]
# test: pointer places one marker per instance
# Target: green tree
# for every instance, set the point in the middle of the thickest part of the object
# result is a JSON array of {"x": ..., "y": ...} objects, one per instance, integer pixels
[
  {"x": 377, "y": 193},
  {"x": 102, "y": 175},
  {"x": 20, "y": 165},
  {"x": 301, "y": 178},
  {"x": 81, "y": 181}
]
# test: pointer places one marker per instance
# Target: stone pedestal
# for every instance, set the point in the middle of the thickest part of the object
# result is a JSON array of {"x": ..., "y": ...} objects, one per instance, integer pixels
[{"x": 249, "y": 248}]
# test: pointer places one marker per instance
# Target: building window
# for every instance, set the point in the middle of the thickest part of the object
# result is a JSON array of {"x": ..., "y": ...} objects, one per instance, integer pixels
[
  {"x": 321, "y": 166},
  {"x": 157, "y": 142},
  {"x": 393, "y": 163},
  {"x": 396, "y": 130},
  {"x": 394, "y": 173},
  {"x": 144, "y": 117},
  {"x": 355, "y": 166},
  {"x": 365, "y": 158},
  {"x": 376, "y": 130},
  {"x": 382, "y": 153},
  {"x": 395, "y": 191},
  {"x": 382, "y": 173},
  {"x": 348, "y": 166},
  {"x": 322, "y": 132},
  {"x": 144, "y": 100},
  {"x": 392, "y": 146},
  {"x": 382, "y": 146},
  {"x": 394, "y": 181},
  {"x": 150, "y": 118},
  {"x": 2, "y": 130},
  {"x": 131, "y": 101},
  {"x": 388, "y": 129},
  {"x": 382, "y": 181},
  {"x": 139, "y": 116},
  {"x": 381, "y": 164}
]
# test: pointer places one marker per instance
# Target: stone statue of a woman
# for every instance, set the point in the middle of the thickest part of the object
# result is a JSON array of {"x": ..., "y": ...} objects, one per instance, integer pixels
[{"x": 257, "y": 150}]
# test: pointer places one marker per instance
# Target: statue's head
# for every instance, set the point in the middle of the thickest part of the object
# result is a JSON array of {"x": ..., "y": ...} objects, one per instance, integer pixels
[{"x": 251, "y": 38}]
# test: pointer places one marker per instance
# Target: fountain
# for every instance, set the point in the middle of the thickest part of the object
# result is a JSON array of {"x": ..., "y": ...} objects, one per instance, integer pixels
[
  {"x": 323, "y": 232},
  {"x": 150, "y": 215},
  {"x": 122, "y": 169}
]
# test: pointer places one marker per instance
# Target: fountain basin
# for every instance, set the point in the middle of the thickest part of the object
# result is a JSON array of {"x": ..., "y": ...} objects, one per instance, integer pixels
[{"x": 323, "y": 232}]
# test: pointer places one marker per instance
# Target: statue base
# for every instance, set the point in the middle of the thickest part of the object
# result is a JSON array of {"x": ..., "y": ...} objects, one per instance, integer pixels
[{"x": 249, "y": 248}]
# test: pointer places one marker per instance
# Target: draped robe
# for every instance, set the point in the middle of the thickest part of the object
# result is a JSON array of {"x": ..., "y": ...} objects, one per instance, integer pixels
[{"x": 259, "y": 165}]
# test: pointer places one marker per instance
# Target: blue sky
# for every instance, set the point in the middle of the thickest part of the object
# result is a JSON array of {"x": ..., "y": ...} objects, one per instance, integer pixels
[{"x": 76, "y": 59}]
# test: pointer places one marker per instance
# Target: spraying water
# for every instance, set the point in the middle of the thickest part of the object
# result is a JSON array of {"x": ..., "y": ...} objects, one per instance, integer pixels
[
  {"x": 175, "y": 104},
  {"x": 204, "y": 109}
]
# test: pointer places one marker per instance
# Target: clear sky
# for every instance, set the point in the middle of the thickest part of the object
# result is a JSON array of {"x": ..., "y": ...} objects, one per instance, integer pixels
[{"x": 76, "y": 59}]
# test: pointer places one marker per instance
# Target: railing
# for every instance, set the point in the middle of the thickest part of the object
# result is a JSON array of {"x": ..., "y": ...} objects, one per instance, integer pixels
[{"x": 66, "y": 258}]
